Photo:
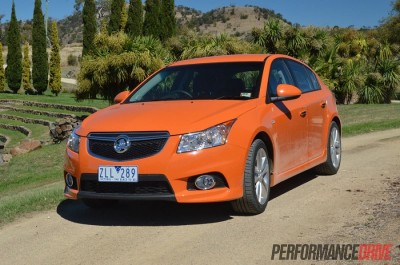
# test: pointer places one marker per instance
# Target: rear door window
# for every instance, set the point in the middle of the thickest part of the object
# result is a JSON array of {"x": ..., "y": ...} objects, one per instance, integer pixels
[{"x": 301, "y": 76}]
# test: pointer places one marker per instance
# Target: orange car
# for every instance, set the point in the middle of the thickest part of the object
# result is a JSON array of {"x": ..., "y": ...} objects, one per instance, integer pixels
[{"x": 212, "y": 129}]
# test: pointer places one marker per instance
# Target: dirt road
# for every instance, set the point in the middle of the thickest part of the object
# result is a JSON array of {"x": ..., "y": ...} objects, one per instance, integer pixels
[{"x": 359, "y": 205}]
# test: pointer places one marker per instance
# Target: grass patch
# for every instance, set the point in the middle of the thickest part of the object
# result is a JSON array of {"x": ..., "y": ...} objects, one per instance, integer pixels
[
  {"x": 33, "y": 169},
  {"x": 25, "y": 188},
  {"x": 359, "y": 119},
  {"x": 62, "y": 98},
  {"x": 39, "y": 199}
]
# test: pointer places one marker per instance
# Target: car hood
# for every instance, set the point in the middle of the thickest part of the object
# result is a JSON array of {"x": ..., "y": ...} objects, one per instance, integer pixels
[{"x": 176, "y": 117}]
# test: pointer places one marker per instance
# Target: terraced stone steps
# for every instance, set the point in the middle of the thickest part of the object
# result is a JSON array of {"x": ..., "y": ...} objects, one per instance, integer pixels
[
  {"x": 25, "y": 120},
  {"x": 39, "y": 112},
  {"x": 15, "y": 114},
  {"x": 48, "y": 105}
]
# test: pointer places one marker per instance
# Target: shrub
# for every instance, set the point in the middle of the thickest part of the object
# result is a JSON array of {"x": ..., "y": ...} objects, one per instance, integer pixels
[{"x": 72, "y": 60}]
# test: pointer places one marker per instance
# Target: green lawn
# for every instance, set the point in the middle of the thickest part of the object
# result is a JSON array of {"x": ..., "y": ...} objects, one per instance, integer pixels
[
  {"x": 31, "y": 182},
  {"x": 358, "y": 118}
]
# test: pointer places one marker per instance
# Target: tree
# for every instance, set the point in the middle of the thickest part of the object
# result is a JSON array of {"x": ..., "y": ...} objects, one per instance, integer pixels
[
  {"x": 55, "y": 61},
  {"x": 124, "y": 18},
  {"x": 390, "y": 70},
  {"x": 40, "y": 67},
  {"x": 391, "y": 27},
  {"x": 152, "y": 24},
  {"x": 26, "y": 71},
  {"x": 1, "y": 29},
  {"x": 134, "y": 25},
  {"x": 2, "y": 73},
  {"x": 168, "y": 19},
  {"x": 89, "y": 26},
  {"x": 114, "y": 25},
  {"x": 270, "y": 37},
  {"x": 14, "y": 55},
  {"x": 295, "y": 41},
  {"x": 119, "y": 62}
]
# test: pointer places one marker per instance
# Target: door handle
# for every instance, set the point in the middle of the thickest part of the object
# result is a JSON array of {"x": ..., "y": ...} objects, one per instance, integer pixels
[{"x": 303, "y": 114}]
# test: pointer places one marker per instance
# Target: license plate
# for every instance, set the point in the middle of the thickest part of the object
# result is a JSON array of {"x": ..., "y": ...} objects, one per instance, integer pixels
[{"x": 118, "y": 174}]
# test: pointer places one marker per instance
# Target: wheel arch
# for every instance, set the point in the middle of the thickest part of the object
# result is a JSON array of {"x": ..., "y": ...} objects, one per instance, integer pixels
[
  {"x": 263, "y": 136},
  {"x": 338, "y": 122}
]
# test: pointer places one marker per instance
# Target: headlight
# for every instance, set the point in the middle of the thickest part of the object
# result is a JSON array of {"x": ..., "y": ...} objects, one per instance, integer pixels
[
  {"x": 214, "y": 136},
  {"x": 73, "y": 142}
]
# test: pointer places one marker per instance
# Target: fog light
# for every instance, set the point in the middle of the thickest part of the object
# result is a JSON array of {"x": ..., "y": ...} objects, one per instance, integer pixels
[
  {"x": 69, "y": 180},
  {"x": 205, "y": 182}
]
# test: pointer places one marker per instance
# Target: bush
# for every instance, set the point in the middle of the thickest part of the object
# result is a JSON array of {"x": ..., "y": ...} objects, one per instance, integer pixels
[{"x": 72, "y": 60}]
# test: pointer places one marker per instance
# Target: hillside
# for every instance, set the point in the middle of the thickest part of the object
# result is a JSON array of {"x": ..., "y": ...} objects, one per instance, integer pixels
[{"x": 232, "y": 20}]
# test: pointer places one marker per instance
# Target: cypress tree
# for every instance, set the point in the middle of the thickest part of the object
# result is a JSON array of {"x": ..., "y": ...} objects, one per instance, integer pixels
[
  {"x": 152, "y": 24},
  {"x": 89, "y": 26},
  {"x": 2, "y": 73},
  {"x": 14, "y": 55},
  {"x": 134, "y": 25},
  {"x": 40, "y": 65},
  {"x": 26, "y": 71},
  {"x": 168, "y": 19},
  {"x": 55, "y": 61},
  {"x": 124, "y": 18},
  {"x": 114, "y": 25}
]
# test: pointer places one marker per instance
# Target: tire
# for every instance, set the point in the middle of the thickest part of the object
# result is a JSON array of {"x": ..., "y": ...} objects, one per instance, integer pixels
[
  {"x": 99, "y": 204},
  {"x": 334, "y": 152},
  {"x": 256, "y": 181}
]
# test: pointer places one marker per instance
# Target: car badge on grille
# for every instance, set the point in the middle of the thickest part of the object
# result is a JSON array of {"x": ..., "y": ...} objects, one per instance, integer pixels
[{"x": 122, "y": 144}]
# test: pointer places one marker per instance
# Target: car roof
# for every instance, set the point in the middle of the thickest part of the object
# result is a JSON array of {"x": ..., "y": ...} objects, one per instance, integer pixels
[{"x": 224, "y": 59}]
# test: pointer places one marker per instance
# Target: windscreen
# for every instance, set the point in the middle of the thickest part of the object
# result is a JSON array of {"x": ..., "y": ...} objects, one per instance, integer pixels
[{"x": 223, "y": 81}]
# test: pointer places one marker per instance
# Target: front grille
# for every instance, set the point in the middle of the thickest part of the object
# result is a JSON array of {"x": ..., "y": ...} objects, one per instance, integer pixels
[
  {"x": 142, "y": 145},
  {"x": 147, "y": 185}
]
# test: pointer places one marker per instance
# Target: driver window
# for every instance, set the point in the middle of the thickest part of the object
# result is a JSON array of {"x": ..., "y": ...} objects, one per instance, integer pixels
[{"x": 278, "y": 74}]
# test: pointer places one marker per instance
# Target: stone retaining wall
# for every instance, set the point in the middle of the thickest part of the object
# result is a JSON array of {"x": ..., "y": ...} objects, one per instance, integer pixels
[
  {"x": 62, "y": 128},
  {"x": 20, "y": 129}
]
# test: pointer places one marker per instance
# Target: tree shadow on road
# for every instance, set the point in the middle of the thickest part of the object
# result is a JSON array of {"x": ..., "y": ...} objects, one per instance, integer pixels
[{"x": 133, "y": 213}]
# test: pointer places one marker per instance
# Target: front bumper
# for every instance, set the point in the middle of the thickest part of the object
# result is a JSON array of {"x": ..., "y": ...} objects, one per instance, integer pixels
[{"x": 167, "y": 174}]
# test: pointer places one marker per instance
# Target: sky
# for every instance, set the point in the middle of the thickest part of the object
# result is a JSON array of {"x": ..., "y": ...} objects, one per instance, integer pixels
[{"x": 342, "y": 13}]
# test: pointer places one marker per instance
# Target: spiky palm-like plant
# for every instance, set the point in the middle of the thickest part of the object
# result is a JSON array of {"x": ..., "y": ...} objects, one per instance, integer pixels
[
  {"x": 271, "y": 35},
  {"x": 390, "y": 71},
  {"x": 295, "y": 41}
]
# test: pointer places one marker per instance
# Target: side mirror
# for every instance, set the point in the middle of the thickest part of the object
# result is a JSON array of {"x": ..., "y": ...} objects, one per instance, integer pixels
[
  {"x": 286, "y": 92},
  {"x": 121, "y": 97}
]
